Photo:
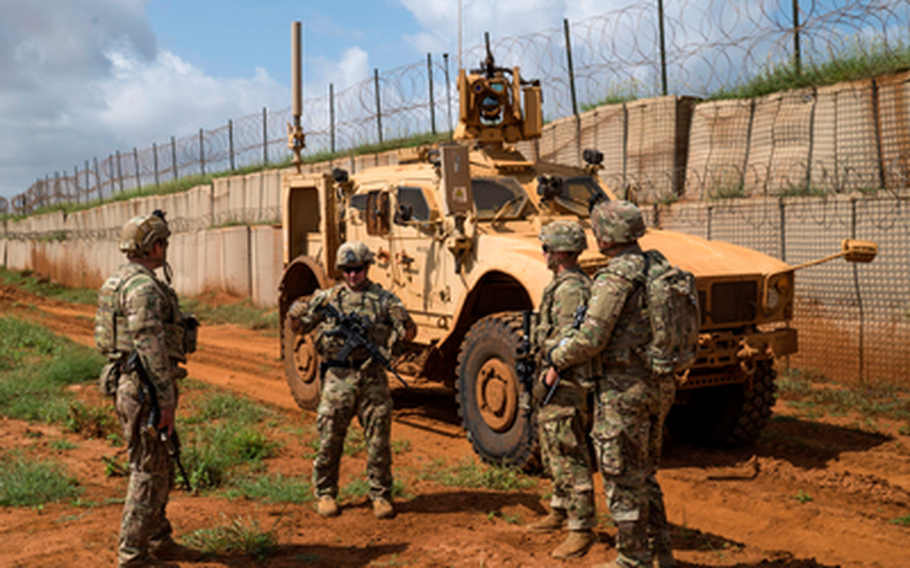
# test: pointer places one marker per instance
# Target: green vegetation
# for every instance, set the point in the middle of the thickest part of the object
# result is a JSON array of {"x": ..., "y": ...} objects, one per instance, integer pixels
[
  {"x": 35, "y": 368},
  {"x": 275, "y": 488},
  {"x": 359, "y": 488},
  {"x": 226, "y": 406},
  {"x": 29, "y": 483},
  {"x": 813, "y": 394},
  {"x": 28, "y": 282},
  {"x": 858, "y": 59},
  {"x": 242, "y": 313},
  {"x": 240, "y": 535},
  {"x": 802, "y": 496},
  {"x": 902, "y": 521},
  {"x": 62, "y": 445},
  {"x": 618, "y": 94},
  {"x": 471, "y": 475}
]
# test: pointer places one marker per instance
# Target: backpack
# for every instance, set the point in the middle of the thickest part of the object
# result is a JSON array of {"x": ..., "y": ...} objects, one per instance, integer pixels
[{"x": 672, "y": 301}]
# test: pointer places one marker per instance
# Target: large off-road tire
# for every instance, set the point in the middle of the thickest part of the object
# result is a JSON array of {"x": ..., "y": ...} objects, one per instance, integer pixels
[
  {"x": 500, "y": 429},
  {"x": 301, "y": 366},
  {"x": 729, "y": 415}
]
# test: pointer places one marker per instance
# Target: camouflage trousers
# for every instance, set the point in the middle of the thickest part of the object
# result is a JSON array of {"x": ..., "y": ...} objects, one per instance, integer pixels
[
  {"x": 628, "y": 434},
  {"x": 563, "y": 428},
  {"x": 151, "y": 476},
  {"x": 346, "y": 393}
]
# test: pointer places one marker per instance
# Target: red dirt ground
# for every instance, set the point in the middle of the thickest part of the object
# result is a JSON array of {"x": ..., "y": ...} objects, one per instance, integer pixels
[{"x": 727, "y": 508}]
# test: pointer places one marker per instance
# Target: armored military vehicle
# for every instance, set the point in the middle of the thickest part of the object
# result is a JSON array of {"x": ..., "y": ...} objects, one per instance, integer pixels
[{"x": 454, "y": 229}]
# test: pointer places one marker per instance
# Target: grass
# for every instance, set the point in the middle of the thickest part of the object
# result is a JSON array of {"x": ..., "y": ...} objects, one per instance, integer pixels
[
  {"x": 28, "y": 282},
  {"x": 469, "y": 474},
  {"x": 238, "y": 535},
  {"x": 359, "y": 488},
  {"x": 802, "y": 496},
  {"x": 812, "y": 394},
  {"x": 30, "y": 483},
  {"x": 275, "y": 488},
  {"x": 62, "y": 445},
  {"x": 242, "y": 313},
  {"x": 35, "y": 368},
  {"x": 226, "y": 406},
  {"x": 902, "y": 521}
]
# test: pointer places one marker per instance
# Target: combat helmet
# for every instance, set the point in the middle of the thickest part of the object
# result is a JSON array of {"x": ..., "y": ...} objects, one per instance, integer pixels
[
  {"x": 564, "y": 235},
  {"x": 353, "y": 253},
  {"x": 140, "y": 234},
  {"x": 616, "y": 223}
]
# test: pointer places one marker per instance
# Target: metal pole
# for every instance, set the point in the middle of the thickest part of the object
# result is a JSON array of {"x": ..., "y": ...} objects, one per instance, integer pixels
[
  {"x": 98, "y": 180},
  {"x": 432, "y": 102},
  {"x": 265, "y": 136},
  {"x": 797, "y": 59},
  {"x": 565, "y": 25},
  {"x": 231, "y": 140},
  {"x": 136, "y": 161},
  {"x": 663, "y": 48},
  {"x": 119, "y": 171},
  {"x": 378, "y": 105},
  {"x": 76, "y": 181},
  {"x": 155, "y": 154},
  {"x": 445, "y": 59},
  {"x": 201, "y": 153},
  {"x": 332, "y": 115},
  {"x": 56, "y": 188},
  {"x": 47, "y": 190},
  {"x": 174, "y": 156},
  {"x": 87, "y": 183}
]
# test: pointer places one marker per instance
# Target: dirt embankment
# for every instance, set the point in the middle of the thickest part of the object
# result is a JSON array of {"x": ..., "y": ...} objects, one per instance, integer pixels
[{"x": 808, "y": 494}]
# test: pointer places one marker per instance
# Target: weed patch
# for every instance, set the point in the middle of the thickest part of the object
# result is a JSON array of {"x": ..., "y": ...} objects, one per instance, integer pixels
[
  {"x": 29, "y": 483},
  {"x": 240, "y": 535},
  {"x": 221, "y": 447},
  {"x": 242, "y": 313},
  {"x": 40, "y": 287},
  {"x": 469, "y": 474},
  {"x": 813, "y": 395},
  {"x": 271, "y": 489},
  {"x": 902, "y": 521},
  {"x": 226, "y": 406},
  {"x": 90, "y": 421}
]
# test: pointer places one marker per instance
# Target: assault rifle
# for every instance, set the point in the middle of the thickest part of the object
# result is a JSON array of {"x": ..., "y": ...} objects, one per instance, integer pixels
[
  {"x": 354, "y": 329},
  {"x": 524, "y": 356},
  {"x": 580, "y": 312},
  {"x": 172, "y": 443}
]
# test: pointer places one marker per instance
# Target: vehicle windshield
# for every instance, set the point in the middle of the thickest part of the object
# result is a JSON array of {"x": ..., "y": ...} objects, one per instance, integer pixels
[
  {"x": 576, "y": 194},
  {"x": 498, "y": 196}
]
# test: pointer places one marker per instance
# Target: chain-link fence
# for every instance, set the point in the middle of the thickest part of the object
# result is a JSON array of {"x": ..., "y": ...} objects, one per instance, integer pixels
[{"x": 687, "y": 47}]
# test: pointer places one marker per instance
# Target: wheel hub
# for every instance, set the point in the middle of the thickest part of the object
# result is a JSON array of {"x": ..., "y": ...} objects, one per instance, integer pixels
[
  {"x": 305, "y": 358},
  {"x": 497, "y": 394}
]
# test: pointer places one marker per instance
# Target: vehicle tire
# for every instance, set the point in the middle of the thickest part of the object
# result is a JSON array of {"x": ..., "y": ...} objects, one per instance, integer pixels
[
  {"x": 491, "y": 402},
  {"x": 729, "y": 415},
  {"x": 301, "y": 366}
]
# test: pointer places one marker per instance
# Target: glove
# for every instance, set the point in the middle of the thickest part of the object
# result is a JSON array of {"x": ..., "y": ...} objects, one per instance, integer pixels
[
  {"x": 539, "y": 392},
  {"x": 298, "y": 308}
]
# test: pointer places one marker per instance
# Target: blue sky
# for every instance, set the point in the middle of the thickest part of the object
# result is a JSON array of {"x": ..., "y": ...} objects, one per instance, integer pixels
[{"x": 83, "y": 78}]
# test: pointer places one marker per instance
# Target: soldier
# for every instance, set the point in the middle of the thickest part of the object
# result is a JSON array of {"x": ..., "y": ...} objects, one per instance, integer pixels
[
  {"x": 565, "y": 420},
  {"x": 138, "y": 312},
  {"x": 358, "y": 384},
  {"x": 632, "y": 403}
]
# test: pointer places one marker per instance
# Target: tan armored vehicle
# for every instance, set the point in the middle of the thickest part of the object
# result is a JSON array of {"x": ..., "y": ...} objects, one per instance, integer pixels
[{"x": 454, "y": 230}]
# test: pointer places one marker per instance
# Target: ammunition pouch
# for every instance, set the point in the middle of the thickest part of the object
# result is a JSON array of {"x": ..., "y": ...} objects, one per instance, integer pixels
[{"x": 190, "y": 332}]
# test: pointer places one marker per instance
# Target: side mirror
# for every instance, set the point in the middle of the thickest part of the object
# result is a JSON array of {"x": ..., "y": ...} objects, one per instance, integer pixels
[
  {"x": 855, "y": 250},
  {"x": 404, "y": 214}
]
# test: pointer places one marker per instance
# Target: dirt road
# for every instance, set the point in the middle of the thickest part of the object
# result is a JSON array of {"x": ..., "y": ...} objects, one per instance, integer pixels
[{"x": 810, "y": 493}]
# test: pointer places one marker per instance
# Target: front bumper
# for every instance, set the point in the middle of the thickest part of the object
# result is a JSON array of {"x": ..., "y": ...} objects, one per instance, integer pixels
[{"x": 729, "y": 358}]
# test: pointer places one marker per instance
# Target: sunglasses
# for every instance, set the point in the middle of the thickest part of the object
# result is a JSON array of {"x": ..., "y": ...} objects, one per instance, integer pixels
[
  {"x": 546, "y": 248},
  {"x": 353, "y": 269}
]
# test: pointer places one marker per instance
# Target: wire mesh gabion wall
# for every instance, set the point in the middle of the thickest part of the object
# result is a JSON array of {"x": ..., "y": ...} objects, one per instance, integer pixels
[{"x": 709, "y": 46}]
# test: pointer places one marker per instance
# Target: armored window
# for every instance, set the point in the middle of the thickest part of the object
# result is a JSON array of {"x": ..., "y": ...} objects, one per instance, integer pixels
[
  {"x": 413, "y": 198},
  {"x": 377, "y": 213},
  {"x": 498, "y": 196},
  {"x": 576, "y": 193},
  {"x": 359, "y": 202}
]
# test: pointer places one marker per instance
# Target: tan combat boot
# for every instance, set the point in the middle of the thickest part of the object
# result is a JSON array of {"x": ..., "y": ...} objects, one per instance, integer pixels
[
  {"x": 551, "y": 523},
  {"x": 577, "y": 544},
  {"x": 327, "y": 507},
  {"x": 383, "y": 509}
]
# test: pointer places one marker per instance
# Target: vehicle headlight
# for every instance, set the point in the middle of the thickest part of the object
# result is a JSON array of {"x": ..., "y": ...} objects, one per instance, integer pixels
[{"x": 778, "y": 292}]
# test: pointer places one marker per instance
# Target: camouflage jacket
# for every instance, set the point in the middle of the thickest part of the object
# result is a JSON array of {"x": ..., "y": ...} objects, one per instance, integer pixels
[
  {"x": 138, "y": 311},
  {"x": 388, "y": 318},
  {"x": 561, "y": 298},
  {"x": 616, "y": 326}
]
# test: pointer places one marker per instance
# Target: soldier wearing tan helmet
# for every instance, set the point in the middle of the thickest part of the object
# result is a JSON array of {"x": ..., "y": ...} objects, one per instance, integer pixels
[
  {"x": 632, "y": 402},
  {"x": 138, "y": 312},
  {"x": 564, "y": 421},
  {"x": 358, "y": 384}
]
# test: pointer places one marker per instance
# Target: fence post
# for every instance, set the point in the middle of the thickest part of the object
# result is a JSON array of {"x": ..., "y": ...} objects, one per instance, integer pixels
[
  {"x": 201, "y": 153},
  {"x": 378, "y": 105},
  {"x": 231, "y": 140},
  {"x": 445, "y": 59},
  {"x": 663, "y": 47},
  {"x": 859, "y": 299},
  {"x": 155, "y": 160},
  {"x": 797, "y": 59},
  {"x": 45, "y": 196},
  {"x": 565, "y": 25},
  {"x": 332, "y": 116},
  {"x": 119, "y": 172},
  {"x": 136, "y": 161},
  {"x": 432, "y": 101},
  {"x": 57, "y": 196},
  {"x": 76, "y": 181},
  {"x": 174, "y": 156},
  {"x": 98, "y": 180},
  {"x": 265, "y": 136},
  {"x": 87, "y": 184}
]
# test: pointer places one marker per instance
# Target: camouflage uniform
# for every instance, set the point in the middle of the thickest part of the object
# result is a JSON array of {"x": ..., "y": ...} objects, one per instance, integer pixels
[
  {"x": 631, "y": 402},
  {"x": 146, "y": 315},
  {"x": 360, "y": 387},
  {"x": 564, "y": 422}
]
